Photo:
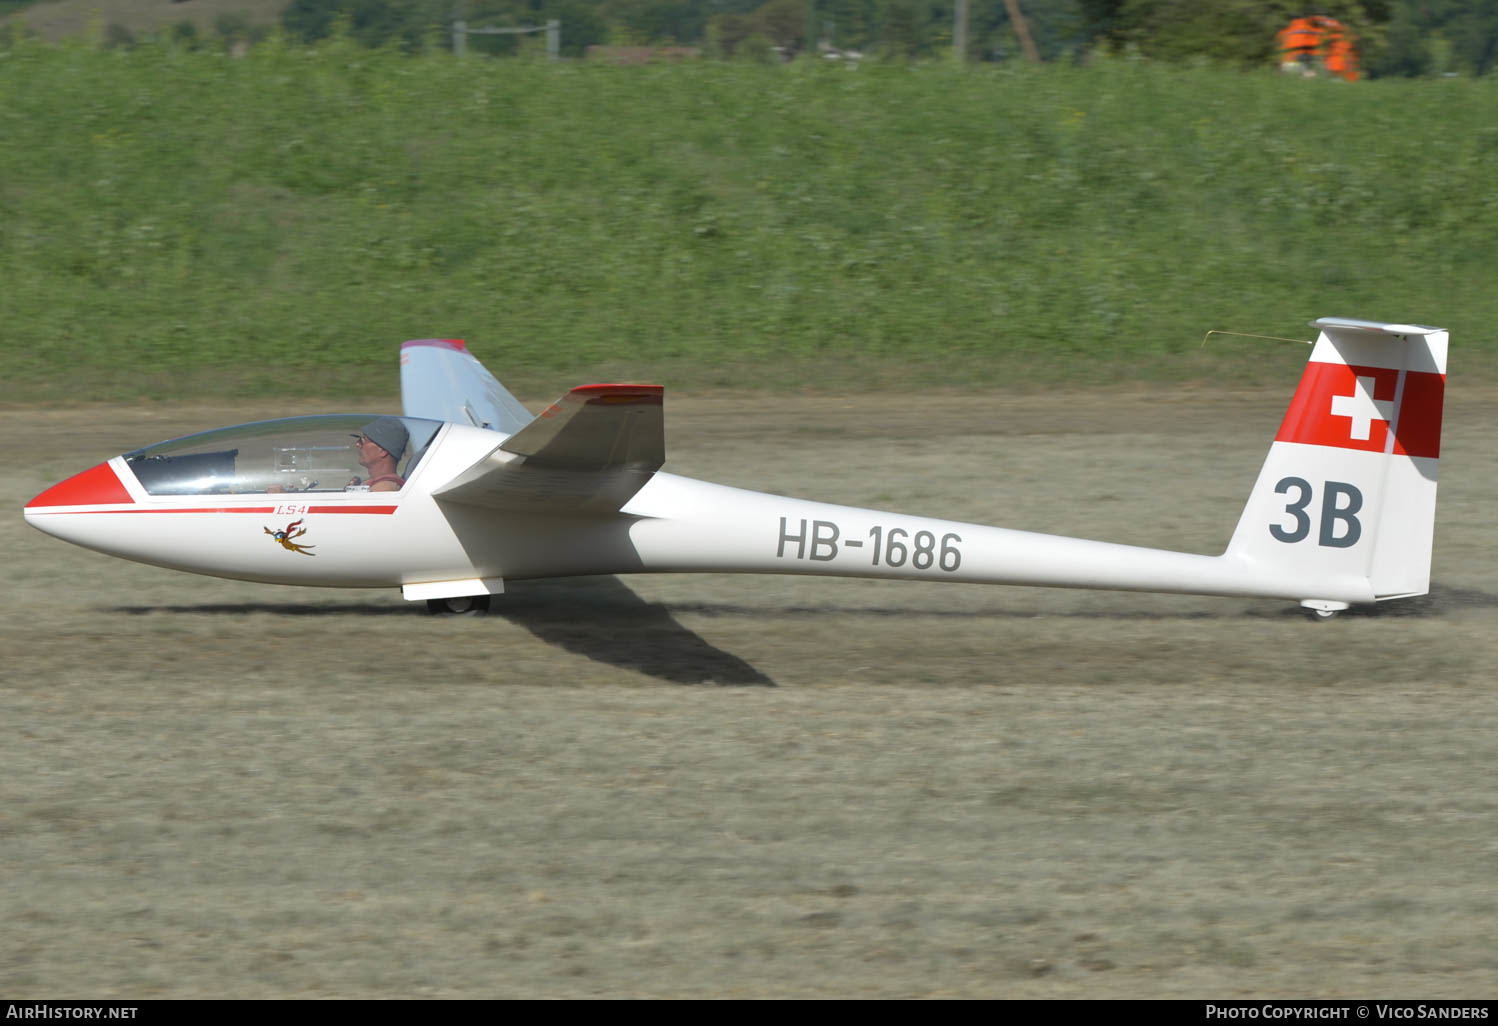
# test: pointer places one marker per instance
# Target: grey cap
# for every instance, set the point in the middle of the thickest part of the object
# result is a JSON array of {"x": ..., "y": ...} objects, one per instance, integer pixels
[{"x": 388, "y": 433}]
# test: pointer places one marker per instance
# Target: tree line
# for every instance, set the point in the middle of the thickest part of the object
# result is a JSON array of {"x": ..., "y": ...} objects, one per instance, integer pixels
[{"x": 1408, "y": 38}]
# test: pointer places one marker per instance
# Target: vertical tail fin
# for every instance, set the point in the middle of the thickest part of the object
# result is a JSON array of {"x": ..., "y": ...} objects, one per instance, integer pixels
[{"x": 1349, "y": 486}]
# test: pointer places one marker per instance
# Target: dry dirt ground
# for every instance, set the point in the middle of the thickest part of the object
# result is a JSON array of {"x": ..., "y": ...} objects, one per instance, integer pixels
[{"x": 760, "y": 786}]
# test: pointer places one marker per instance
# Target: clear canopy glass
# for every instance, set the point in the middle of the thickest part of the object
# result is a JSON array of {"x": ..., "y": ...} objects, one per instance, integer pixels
[{"x": 294, "y": 454}]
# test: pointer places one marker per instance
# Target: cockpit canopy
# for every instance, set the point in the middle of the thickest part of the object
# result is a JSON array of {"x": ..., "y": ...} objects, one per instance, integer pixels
[{"x": 294, "y": 454}]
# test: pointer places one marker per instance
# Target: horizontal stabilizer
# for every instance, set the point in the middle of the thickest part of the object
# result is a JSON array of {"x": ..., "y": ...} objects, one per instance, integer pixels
[
  {"x": 589, "y": 452},
  {"x": 1349, "y": 325}
]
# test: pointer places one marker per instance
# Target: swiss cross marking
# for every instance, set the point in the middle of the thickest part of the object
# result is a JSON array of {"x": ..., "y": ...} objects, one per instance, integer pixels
[{"x": 1362, "y": 409}]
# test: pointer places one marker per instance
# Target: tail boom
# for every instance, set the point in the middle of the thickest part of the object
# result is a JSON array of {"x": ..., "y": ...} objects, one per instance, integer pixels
[{"x": 693, "y": 526}]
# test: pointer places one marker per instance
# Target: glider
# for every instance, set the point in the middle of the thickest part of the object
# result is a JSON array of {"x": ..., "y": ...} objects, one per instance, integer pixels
[{"x": 466, "y": 489}]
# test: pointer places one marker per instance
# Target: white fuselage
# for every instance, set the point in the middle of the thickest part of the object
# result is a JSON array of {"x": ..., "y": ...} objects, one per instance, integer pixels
[{"x": 673, "y": 524}]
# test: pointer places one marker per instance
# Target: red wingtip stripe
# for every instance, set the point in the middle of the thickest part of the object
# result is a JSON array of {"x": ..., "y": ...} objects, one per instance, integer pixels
[
  {"x": 96, "y": 486},
  {"x": 649, "y": 395},
  {"x": 455, "y": 344}
]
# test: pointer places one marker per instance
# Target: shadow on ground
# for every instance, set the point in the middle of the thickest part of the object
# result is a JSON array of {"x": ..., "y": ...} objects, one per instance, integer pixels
[
  {"x": 280, "y": 609},
  {"x": 602, "y": 619},
  {"x": 597, "y": 617},
  {"x": 1441, "y": 601},
  {"x": 584, "y": 616}
]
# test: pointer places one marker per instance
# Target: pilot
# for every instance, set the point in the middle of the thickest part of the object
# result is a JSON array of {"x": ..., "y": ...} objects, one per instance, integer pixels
[{"x": 380, "y": 445}]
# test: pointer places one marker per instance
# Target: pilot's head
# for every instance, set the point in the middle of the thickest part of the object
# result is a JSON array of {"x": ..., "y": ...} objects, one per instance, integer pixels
[{"x": 388, "y": 433}]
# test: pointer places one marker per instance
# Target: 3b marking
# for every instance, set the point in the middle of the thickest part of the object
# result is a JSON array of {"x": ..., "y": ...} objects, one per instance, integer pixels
[
  {"x": 888, "y": 546},
  {"x": 1340, "y": 503}
]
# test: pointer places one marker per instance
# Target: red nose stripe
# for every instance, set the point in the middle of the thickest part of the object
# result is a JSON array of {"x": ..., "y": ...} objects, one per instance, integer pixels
[{"x": 97, "y": 486}]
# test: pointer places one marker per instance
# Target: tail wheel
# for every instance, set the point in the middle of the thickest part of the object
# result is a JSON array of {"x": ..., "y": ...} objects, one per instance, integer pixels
[
  {"x": 459, "y": 605},
  {"x": 1322, "y": 610}
]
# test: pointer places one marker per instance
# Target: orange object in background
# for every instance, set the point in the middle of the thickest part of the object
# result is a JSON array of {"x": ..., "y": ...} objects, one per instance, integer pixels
[{"x": 1318, "y": 43}]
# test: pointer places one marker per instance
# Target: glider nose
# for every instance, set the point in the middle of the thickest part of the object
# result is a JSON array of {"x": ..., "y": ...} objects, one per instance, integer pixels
[{"x": 96, "y": 486}]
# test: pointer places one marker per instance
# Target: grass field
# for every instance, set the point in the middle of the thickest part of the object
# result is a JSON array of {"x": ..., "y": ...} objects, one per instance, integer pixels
[
  {"x": 743, "y": 786},
  {"x": 215, "y": 789},
  {"x": 178, "y": 222}
]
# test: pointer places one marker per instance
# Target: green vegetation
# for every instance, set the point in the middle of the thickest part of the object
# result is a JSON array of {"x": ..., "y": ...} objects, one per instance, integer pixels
[
  {"x": 1394, "y": 37},
  {"x": 120, "y": 22},
  {"x": 175, "y": 221}
]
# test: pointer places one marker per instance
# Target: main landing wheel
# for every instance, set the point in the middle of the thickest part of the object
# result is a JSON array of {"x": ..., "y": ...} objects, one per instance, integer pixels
[
  {"x": 462, "y": 605},
  {"x": 1323, "y": 615}
]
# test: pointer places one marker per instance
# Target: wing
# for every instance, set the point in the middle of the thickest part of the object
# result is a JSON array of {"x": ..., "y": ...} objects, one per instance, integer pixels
[
  {"x": 441, "y": 380},
  {"x": 589, "y": 452}
]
